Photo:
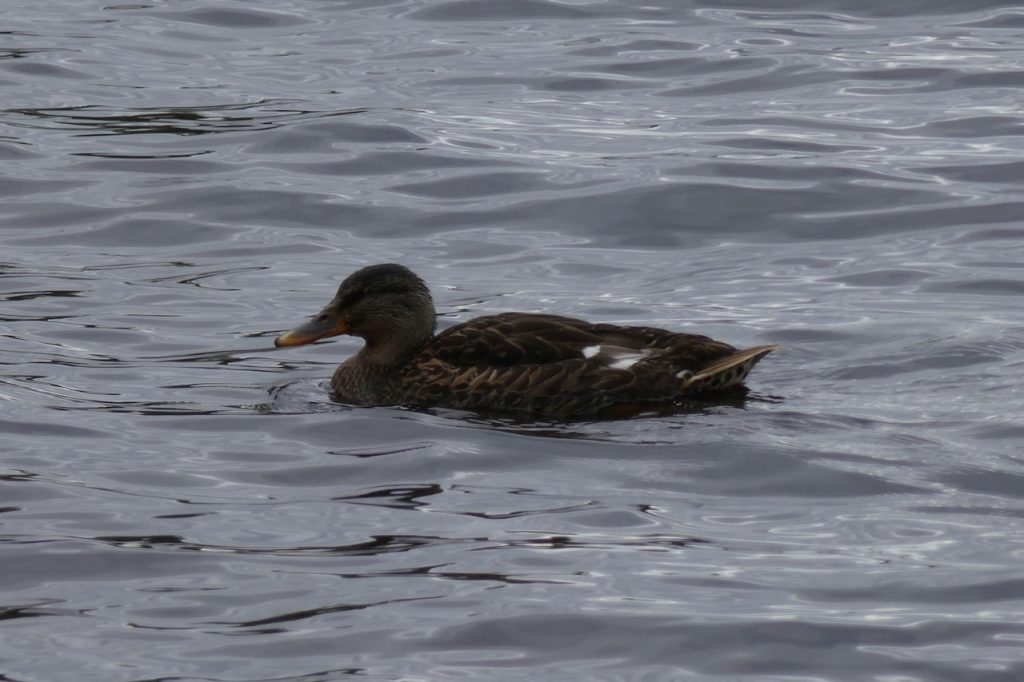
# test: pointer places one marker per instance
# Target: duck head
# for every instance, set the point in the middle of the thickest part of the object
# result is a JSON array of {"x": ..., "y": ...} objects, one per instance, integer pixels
[{"x": 387, "y": 305}]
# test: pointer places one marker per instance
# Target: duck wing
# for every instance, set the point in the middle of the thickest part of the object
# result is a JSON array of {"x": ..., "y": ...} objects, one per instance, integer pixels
[
  {"x": 513, "y": 339},
  {"x": 561, "y": 366}
]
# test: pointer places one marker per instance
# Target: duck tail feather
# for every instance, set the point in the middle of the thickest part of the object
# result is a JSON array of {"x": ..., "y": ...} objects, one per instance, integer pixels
[{"x": 729, "y": 371}]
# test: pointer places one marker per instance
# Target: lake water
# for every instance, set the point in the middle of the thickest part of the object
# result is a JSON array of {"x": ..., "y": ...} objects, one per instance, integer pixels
[{"x": 183, "y": 180}]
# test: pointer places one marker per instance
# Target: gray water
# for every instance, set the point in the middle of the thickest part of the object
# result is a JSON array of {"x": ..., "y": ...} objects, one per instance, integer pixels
[{"x": 183, "y": 180}]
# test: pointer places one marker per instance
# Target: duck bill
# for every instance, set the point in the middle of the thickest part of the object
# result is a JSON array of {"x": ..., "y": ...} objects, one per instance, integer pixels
[{"x": 320, "y": 327}]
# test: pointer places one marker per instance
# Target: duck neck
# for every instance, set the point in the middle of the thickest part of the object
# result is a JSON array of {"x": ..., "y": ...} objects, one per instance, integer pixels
[
  {"x": 364, "y": 382},
  {"x": 391, "y": 352},
  {"x": 373, "y": 375},
  {"x": 395, "y": 344}
]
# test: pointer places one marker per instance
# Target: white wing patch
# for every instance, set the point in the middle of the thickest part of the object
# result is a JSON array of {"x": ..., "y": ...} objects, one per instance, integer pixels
[
  {"x": 616, "y": 357},
  {"x": 627, "y": 360}
]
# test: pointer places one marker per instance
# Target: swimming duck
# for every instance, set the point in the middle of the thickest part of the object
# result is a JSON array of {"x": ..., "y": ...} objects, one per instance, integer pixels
[{"x": 511, "y": 363}]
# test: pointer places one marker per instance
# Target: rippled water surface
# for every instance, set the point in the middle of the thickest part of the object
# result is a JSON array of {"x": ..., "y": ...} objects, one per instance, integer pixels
[{"x": 182, "y": 180}]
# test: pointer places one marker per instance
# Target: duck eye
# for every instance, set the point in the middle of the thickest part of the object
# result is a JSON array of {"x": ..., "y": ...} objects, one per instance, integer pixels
[{"x": 323, "y": 317}]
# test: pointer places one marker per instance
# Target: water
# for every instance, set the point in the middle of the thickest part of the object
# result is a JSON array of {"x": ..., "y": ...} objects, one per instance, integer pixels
[{"x": 182, "y": 181}]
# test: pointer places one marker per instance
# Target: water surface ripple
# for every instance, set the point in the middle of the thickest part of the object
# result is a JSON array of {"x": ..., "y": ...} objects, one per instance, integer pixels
[{"x": 181, "y": 181}]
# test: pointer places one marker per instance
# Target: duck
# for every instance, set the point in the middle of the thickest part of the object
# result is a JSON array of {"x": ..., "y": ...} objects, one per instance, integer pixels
[{"x": 515, "y": 363}]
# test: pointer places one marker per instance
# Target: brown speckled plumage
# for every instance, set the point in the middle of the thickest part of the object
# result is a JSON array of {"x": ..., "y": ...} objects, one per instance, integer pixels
[{"x": 525, "y": 363}]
